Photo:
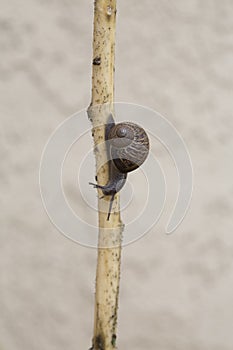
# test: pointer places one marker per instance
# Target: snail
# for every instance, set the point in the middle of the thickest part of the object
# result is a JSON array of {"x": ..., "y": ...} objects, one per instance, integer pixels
[{"x": 128, "y": 147}]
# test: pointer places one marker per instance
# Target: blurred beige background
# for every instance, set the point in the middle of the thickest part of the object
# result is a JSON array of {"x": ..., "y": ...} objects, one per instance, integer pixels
[{"x": 175, "y": 57}]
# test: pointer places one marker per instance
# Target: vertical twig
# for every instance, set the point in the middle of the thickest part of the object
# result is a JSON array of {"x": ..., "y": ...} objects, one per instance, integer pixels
[{"x": 110, "y": 232}]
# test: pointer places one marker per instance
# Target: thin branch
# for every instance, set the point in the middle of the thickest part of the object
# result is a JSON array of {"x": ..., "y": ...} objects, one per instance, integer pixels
[{"x": 110, "y": 231}]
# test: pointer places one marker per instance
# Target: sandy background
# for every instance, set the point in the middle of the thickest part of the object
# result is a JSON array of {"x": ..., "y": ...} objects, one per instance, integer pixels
[{"x": 172, "y": 56}]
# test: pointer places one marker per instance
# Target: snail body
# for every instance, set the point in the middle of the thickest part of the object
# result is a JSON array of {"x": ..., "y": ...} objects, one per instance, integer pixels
[{"x": 128, "y": 147}]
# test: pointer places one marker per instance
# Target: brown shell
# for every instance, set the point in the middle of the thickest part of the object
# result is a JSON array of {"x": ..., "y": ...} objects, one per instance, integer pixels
[{"x": 129, "y": 146}]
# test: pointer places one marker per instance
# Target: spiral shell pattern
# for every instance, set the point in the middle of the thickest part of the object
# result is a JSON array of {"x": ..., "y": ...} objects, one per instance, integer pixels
[{"x": 129, "y": 146}]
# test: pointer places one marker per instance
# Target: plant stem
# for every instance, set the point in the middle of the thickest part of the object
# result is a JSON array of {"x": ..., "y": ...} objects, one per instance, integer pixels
[{"x": 110, "y": 232}]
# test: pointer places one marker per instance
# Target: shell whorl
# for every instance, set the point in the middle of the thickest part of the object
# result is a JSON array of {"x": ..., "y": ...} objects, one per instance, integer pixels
[{"x": 129, "y": 146}]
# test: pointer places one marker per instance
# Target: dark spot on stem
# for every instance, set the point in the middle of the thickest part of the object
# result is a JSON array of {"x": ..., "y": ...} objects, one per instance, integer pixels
[
  {"x": 114, "y": 340},
  {"x": 99, "y": 342},
  {"x": 97, "y": 61}
]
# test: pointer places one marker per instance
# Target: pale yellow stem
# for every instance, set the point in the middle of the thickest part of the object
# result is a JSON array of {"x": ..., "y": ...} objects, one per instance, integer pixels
[{"x": 110, "y": 232}]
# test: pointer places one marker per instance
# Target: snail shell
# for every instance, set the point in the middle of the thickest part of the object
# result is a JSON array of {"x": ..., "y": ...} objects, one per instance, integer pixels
[{"x": 129, "y": 146}]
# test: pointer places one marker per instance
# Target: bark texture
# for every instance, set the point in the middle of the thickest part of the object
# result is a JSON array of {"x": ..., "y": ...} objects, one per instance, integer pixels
[{"x": 110, "y": 232}]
